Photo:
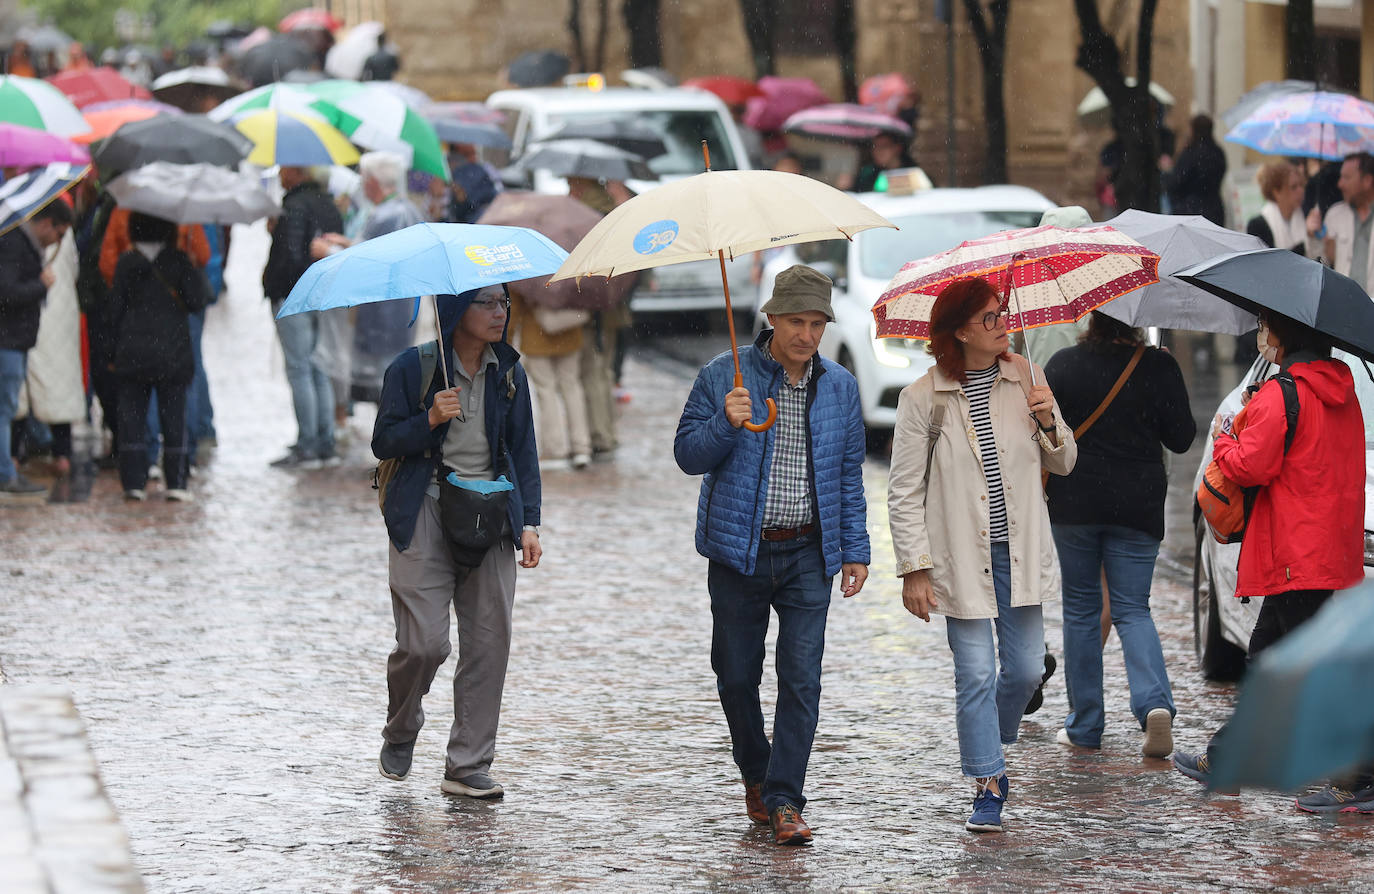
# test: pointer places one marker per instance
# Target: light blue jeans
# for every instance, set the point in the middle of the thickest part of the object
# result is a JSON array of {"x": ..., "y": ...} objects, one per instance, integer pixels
[
  {"x": 989, "y": 702},
  {"x": 312, "y": 392},
  {"x": 12, "y": 368},
  {"x": 1128, "y": 558}
]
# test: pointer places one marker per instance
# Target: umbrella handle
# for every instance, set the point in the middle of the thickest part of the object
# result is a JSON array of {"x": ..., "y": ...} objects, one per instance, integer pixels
[
  {"x": 734, "y": 346},
  {"x": 767, "y": 423}
]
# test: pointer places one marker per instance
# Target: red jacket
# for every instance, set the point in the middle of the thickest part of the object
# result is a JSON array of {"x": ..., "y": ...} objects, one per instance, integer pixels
[{"x": 1307, "y": 528}]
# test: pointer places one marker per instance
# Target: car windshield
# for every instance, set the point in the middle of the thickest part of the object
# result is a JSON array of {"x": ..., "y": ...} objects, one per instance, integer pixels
[
  {"x": 681, "y": 130},
  {"x": 882, "y": 252}
]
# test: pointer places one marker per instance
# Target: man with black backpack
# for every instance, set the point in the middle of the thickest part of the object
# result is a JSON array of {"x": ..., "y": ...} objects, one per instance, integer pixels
[{"x": 461, "y": 492}]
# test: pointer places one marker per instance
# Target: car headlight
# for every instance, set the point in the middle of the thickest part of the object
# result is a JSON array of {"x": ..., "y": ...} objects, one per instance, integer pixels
[
  {"x": 882, "y": 350},
  {"x": 1369, "y": 547}
]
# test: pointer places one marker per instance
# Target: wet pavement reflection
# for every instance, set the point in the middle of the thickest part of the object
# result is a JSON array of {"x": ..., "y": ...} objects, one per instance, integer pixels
[{"x": 228, "y": 658}]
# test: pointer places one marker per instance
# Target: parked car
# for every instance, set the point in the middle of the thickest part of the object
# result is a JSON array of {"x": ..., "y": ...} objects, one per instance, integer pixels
[
  {"x": 1222, "y": 623},
  {"x": 683, "y": 117},
  {"x": 930, "y": 222}
]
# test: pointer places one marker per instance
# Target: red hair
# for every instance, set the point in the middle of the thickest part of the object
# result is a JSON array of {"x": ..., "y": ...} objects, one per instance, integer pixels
[{"x": 958, "y": 303}]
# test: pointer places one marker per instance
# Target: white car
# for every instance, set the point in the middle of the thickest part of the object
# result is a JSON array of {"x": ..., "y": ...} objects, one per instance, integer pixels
[
  {"x": 683, "y": 117},
  {"x": 1221, "y": 622},
  {"x": 930, "y": 222}
]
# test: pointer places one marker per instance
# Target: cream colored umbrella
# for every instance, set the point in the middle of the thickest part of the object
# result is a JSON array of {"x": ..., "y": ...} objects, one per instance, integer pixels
[{"x": 718, "y": 214}]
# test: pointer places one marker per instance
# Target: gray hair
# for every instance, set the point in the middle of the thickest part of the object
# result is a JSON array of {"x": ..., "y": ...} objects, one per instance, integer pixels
[
  {"x": 387, "y": 168},
  {"x": 318, "y": 174}
]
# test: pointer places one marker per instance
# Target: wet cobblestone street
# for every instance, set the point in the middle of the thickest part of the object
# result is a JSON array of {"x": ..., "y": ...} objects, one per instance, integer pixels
[{"x": 227, "y": 657}]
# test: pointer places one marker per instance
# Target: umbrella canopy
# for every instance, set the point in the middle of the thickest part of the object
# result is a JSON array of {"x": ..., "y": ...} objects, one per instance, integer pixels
[
  {"x": 21, "y": 197},
  {"x": 1053, "y": 276},
  {"x": 584, "y": 158},
  {"x": 24, "y": 147},
  {"x": 1304, "y": 712},
  {"x": 348, "y": 55},
  {"x": 1316, "y": 125},
  {"x": 622, "y": 133},
  {"x": 538, "y": 68},
  {"x": 782, "y": 98},
  {"x": 845, "y": 121},
  {"x": 411, "y": 96},
  {"x": 187, "y": 87},
  {"x": 272, "y": 59},
  {"x": 194, "y": 194},
  {"x": 475, "y": 134},
  {"x": 379, "y": 119},
  {"x": 1260, "y": 94},
  {"x": 566, "y": 221},
  {"x": 886, "y": 92},
  {"x": 40, "y": 105},
  {"x": 732, "y": 91},
  {"x": 1181, "y": 241},
  {"x": 105, "y": 118},
  {"x": 1096, "y": 110},
  {"x": 46, "y": 39},
  {"x": 1279, "y": 280},
  {"x": 182, "y": 139},
  {"x": 312, "y": 18},
  {"x": 424, "y": 259},
  {"x": 291, "y": 138},
  {"x": 86, "y": 86}
]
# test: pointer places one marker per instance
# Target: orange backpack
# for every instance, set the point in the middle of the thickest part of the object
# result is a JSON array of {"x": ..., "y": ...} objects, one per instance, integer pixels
[{"x": 1225, "y": 504}]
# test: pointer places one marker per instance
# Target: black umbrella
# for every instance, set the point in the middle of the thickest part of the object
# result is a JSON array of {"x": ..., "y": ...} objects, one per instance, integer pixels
[
  {"x": 223, "y": 29},
  {"x": 585, "y": 158},
  {"x": 538, "y": 68},
  {"x": 271, "y": 60},
  {"x": 1279, "y": 280},
  {"x": 631, "y": 136},
  {"x": 180, "y": 139}
]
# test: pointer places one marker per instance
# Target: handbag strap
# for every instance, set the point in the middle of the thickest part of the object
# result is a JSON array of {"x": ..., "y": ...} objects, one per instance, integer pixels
[{"x": 1111, "y": 395}]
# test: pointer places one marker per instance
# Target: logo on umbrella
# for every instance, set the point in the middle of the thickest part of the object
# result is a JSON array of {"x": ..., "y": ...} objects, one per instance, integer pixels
[
  {"x": 655, "y": 237},
  {"x": 485, "y": 256}
]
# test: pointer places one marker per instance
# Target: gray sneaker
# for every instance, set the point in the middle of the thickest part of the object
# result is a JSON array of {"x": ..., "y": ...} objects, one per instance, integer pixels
[
  {"x": 19, "y": 486},
  {"x": 395, "y": 760},
  {"x": 473, "y": 785},
  {"x": 294, "y": 458}
]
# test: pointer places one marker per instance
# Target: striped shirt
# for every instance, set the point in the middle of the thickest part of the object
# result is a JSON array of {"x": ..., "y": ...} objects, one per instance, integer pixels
[
  {"x": 978, "y": 389},
  {"x": 788, "y": 503}
]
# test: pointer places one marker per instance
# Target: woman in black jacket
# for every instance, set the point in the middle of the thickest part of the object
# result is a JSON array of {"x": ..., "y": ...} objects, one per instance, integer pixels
[
  {"x": 156, "y": 289},
  {"x": 1108, "y": 516}
]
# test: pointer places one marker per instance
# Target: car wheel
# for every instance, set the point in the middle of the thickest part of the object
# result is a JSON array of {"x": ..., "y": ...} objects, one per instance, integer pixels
[{"x": 1218, "y": 658}]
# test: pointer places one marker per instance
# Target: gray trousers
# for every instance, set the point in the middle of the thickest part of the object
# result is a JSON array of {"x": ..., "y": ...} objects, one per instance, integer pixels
[{"x": 424, "y": 582}]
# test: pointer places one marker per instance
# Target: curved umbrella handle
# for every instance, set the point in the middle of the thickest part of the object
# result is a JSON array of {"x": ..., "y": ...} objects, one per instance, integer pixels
[{"x": 767, "y": 423}]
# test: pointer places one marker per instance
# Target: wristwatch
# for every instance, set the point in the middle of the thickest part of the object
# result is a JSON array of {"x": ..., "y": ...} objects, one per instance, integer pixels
[
  {"x": 1043, "y": 428},
  {"x": 534, "y": 528}
]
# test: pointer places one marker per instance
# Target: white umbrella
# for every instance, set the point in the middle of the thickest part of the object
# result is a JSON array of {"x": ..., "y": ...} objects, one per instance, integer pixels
[
  {"x": 196, "y": 193},
  {"x": 345, "y": 59},
  {"x": 200, "y": 75},
  {"x": 1096, "y": 110}
]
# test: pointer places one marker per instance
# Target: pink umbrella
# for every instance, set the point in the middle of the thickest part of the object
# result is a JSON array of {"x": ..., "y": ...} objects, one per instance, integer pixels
[
  {"x": 886, "y": 92},
  {"x": 845, "y": 121},
  {"x": 27, "y": 147},
  {"x": 782, "y": 97}
]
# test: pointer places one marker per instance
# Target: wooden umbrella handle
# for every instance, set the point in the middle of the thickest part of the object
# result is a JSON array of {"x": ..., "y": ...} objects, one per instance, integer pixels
[{"x": 767, "y": 423}]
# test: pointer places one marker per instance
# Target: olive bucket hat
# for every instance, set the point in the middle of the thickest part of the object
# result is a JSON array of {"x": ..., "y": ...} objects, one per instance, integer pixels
[{"x": 800, "y": 288}]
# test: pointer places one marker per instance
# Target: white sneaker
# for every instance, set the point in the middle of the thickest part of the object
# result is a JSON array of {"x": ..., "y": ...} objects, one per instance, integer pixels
[
  {"x": 1159, "y": 734},
  {"x": 581, "y": 460},
  {"x": 474, "y": 785},
  {"x": 1062, "y": 737},
  {"x": 554, "y": 464},
  {"x": 136, "y": 494},
  {"x": 155, "y": 473},
  {"x": 180, "y": 495}
]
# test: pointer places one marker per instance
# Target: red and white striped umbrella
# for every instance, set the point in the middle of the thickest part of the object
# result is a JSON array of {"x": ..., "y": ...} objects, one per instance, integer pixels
[
  {"x": 1049, "y": 275},
  {"x": 845, "y": 121}
]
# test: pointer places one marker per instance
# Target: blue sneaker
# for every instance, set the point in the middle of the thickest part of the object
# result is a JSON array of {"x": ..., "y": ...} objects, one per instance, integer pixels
[
  {"x": 987, "y": 807},
  {"x": 1335, "y": 799},
  {"x": 1198, "y": 766}
]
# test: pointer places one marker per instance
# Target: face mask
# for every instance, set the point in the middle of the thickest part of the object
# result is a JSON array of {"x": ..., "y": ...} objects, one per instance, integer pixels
[{"x": 1267, "y": 351}]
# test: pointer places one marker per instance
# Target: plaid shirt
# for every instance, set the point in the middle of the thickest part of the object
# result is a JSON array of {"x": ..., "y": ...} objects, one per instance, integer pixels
[{"x": 788, "y": 503}]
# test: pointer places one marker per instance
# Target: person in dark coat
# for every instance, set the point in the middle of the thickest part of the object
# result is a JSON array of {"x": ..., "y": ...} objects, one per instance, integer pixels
[
  {"x": 24, "y": 283},
  {"x": 1194, "y": 183},
  {"x": 156, "y": 289}
]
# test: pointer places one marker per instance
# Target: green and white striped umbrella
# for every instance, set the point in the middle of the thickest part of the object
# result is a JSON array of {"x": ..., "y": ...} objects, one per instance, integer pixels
[
  {"x": 38, "y": 104},
  {"x": 384, "y": 121}
]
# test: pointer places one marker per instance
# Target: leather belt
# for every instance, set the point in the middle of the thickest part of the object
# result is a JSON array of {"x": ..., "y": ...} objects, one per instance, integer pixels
[{"x": 774, "y": 534}]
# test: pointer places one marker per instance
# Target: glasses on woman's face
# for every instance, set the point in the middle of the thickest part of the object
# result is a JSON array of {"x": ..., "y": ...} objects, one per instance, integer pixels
[
  {"x": 991, "y": 317},
  {"x": 491, "y": 305}
]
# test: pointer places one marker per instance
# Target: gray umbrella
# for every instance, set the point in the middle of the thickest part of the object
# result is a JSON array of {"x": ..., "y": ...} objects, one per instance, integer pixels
[
  {"x": 271, "y": 60},
  {"x": 538, "y": 68},
  {"x": 1279, "y": 280},
  {"x": 585, "y": 158},
  {"x": 629, "y": 135}
]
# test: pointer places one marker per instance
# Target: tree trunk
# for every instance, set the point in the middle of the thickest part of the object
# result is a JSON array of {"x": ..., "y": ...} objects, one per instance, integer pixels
[
  {"x": 759, "y": 16},
  {"x": 846, "y": 39},
  {"x": 603, "y": 15},
  {"x": 1300, "y": 34},
  {"x": 991, "y": 38},
  {"x": 579, "y": 51},
  {"x": 642, "y": 25},
  {"x": 1134, "y": 116}
]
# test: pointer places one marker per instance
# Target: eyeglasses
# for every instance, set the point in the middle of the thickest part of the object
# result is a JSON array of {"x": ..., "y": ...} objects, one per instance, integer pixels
[
  {"x": 991, "y": 317},
  {"x": 492, "y": 304}
]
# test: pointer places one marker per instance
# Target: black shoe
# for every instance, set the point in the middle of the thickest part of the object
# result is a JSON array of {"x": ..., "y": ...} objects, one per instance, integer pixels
[
  {"x": 1038, "y": 697},
  {"x": 395, "y": 759},
  {"x": 295, "y": 458},
  {"x": 19, "y": 486}
]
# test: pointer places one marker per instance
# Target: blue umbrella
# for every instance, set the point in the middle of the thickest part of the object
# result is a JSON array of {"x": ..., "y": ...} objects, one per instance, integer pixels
[
  {"x": 23, "y": 196},
  {"x": 1304, "y": 711},
  {"x": 424, "y": 259}
]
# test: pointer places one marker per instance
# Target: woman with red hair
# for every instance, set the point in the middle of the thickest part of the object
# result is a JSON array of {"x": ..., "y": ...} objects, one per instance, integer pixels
[{"x": 969, "y": 526}]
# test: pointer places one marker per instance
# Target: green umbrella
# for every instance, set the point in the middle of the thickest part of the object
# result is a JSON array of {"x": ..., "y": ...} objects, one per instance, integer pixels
[
  {"x": 382, "y": 119},
  {"x": 38, "y": 104},
  {"x": 284, "y": 97}
]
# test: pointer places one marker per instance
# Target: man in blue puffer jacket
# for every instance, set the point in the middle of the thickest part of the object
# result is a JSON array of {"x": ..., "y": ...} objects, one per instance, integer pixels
[
  {"x": 479, "y": 427},
  {"x": 780, "y": 513}
]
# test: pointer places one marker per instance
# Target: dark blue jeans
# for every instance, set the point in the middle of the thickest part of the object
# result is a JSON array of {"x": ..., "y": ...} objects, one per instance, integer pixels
[{"x": 789, "y": 578}]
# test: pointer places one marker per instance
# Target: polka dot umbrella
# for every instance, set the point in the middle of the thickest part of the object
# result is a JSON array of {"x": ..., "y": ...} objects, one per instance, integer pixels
[{"x": 1048, "y": 274}]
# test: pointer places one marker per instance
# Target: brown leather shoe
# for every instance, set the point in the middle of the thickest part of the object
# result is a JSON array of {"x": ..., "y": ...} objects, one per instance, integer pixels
[
  {"x": 753, "y": 803},
  {"x": 789, "y": 827}
]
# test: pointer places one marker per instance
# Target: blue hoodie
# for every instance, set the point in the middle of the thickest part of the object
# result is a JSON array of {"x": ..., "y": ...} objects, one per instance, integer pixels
[{"x": 402, "y": 431}]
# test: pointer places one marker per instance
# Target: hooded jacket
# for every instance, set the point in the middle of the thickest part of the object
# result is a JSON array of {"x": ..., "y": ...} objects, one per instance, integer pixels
[
  {"x": 402, "y": 431},
  {"x": 734, "y": 462},
  {"x": 1306, "y": 531},
  {"x": 149, "y": 308},
  {"x": 21, "y": 292}
]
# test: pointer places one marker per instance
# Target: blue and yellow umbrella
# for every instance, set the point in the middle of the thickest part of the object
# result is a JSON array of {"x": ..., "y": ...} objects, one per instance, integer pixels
[{"x": 299, "y": 139}]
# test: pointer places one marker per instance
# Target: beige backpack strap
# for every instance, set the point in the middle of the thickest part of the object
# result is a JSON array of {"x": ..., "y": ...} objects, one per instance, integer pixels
[{"x": 937, "y": 421}]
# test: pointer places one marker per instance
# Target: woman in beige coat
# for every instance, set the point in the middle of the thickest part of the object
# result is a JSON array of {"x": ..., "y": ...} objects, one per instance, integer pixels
[{"x": 969, "y": 525}]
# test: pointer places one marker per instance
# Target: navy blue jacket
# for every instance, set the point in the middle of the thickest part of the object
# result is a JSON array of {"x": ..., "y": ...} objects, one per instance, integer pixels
[
  {"x": 402, "y": 431},
  {"x": 735, "y": 461}
]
